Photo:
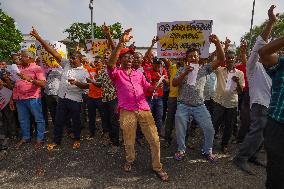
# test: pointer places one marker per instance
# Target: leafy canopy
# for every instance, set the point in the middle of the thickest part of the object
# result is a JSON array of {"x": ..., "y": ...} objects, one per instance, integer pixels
[{"x": 10, "y": 36}]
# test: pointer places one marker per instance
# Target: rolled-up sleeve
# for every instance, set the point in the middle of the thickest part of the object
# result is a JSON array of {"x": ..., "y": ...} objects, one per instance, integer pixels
[
  {"x": 279, "y": 66},
  {"x": 40, "y": 74},
  {"x": 254, "y": 56}
]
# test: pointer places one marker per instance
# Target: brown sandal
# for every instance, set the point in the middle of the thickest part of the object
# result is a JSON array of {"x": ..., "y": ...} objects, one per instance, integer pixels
[
  {"x": 127, "y": 167},
  {"x": 163, "y": 175},
  {"x": 21, "y": 143}
]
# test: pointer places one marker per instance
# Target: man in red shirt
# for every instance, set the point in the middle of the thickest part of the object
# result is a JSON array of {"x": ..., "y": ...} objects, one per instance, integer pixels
[{"x": 155, "y": 99}]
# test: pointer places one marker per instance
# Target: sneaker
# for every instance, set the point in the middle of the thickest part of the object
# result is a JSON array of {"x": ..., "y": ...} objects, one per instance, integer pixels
[
  {"x": 179, "y": 155},
  {"x": 76, "y": 145},
  {"x": 210, "y": 158}
]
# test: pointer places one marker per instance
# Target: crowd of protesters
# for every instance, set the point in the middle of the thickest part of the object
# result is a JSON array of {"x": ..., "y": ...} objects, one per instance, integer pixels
[{"x": 142, "y": 95}]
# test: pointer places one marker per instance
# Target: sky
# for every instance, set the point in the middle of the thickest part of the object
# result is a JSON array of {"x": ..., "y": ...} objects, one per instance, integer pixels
[{"x": 231, "y": 18}]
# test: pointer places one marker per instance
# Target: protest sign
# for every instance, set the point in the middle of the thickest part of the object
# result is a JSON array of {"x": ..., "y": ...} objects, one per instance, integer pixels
[
  {"x": 13, "y": 70},
  {"x": 230, "y": 84},
  {"x": 176, "y": 37},
  {"x": 97, "y": 47},
  {"x": 47, "y": 59},
  {"x": 29, "y": 45},
  {"x": 5, "y": 96}
]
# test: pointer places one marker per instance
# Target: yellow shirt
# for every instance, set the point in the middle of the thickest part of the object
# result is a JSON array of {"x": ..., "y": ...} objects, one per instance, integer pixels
[{"x": 172, "y": 72}]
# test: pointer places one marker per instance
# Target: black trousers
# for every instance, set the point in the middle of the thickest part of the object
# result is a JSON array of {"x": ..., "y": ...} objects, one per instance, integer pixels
[
  {"x": 254, "y": 139},
  {"x": 51, "y": 102},
  {"x": 65, "y": 108},
  {"x": 274, "y": 144},
  {"x": 227, "y": 116},
  {"x": 210, "y": 106},
  {"x": 170, "y": 120},
  {"x": 8, "y": 127},
  {"x": 111, "y": 120},
  {"x": 244, "y": 116}
]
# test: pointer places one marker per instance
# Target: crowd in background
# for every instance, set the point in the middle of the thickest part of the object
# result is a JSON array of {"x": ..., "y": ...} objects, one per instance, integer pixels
[{"x": 144, "y": 98}]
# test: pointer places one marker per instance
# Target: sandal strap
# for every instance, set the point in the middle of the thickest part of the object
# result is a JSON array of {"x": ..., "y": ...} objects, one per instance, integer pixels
[
  {"x": 127, "y": 166},
  {"x": 163, "y": 175}
]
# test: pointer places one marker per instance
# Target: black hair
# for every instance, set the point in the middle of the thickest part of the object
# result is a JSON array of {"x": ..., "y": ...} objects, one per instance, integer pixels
[
  {"x": 193, "y": 47},
  {"x": 157, "y": 60}
]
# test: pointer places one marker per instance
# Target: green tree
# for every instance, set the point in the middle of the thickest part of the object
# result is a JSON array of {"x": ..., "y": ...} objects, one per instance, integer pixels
[
  {"x": 277, "y": 31},
  {"x": 79, "y": 32},
  {"x": 10, "y": 36}
]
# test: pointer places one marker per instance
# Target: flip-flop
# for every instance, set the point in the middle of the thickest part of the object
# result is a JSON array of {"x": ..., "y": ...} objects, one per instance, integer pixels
[
  {"x": 127, "y": 167},
  {"x": 163, "y": 175}
]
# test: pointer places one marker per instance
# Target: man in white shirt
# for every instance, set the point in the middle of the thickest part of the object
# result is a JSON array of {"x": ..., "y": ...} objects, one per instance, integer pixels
[
  {"x": 230, "y": 83},
  {"x": 260, "y": 93},
  {"x": 71, "y": 87}
]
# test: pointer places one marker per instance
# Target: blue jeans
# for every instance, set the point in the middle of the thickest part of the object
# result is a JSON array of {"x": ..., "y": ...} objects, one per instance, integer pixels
[
  {"x": 203, "y": 119},
  {"x": 25, "y": 108},
  {"x": 156, "y": 105}
]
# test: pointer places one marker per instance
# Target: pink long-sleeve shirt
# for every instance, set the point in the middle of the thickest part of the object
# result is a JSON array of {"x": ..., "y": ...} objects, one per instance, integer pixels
[{"x": 131, "y": 89}]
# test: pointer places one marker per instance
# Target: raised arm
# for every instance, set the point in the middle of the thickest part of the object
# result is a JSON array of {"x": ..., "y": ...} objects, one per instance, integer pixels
[
  {"x": 45, "y": 45},
  {"x": 115, "y": 53},
  {"x": 227, "y": 44},
  {"x": 167, "y": 62},
  {"x": 243, "y": 49},
  {"x": 219, "y": 51},
  {"x": 106, "y": 31},
  {"x": 272, "y": 19},
  {"x": 154, "y": 41},
  {"x": 267, "y": 53}
]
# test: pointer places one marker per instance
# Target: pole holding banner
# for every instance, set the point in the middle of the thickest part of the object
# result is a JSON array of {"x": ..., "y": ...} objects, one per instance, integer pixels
[
  {"x": 91, "y": 7},
  {"x": 251, "y": 24}
]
